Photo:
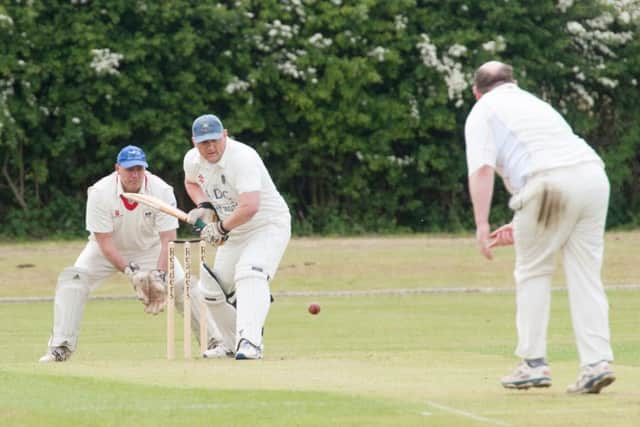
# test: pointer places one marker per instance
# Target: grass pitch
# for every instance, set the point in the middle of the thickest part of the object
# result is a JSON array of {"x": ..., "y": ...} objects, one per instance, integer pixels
[{"x": 402, "y": 360}]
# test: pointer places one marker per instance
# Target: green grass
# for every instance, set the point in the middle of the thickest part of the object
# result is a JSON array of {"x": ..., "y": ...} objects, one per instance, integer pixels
[{"x": 409, "y": 360}]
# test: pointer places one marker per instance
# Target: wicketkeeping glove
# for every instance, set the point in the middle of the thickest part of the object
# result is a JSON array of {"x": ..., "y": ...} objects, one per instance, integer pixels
[
  {"x": 156, "y": 292},
  {"x": 149, "y": 287},
  {"x": 214, "y": 234}
]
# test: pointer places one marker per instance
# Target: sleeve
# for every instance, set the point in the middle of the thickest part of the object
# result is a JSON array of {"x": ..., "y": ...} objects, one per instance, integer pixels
[
  {"x": 249, "y": 173},
  {"x": 190, "y": 165},
  {"x": 98, "y": 215},
  {"x": 480, "y": 144}
]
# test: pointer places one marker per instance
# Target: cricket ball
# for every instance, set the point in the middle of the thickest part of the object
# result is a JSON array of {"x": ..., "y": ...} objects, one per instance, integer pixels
[{"x": 314, "y": 308}]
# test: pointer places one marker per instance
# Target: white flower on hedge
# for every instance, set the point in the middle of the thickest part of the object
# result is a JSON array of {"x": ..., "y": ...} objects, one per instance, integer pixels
[
  {"x": 378, "y": 53},
  {"x": 319, "y": 41},
  {"x": 563, "y": 5},
  {"x": 236, "y": 85},
  {"x": 453, "y": 76},
  {"x": 414, "y": 111},
  {"x": 585, "y": 101},
  {"x": 6, "y": 19},
  {"x": 457, "y": 50},
  {"x": 607, "y": 82},
  {"x": 575, "y": 28},
  {"x": 400, "y": 22},
  {"x": 497, "y": 45},
  {"x": 105, "y": 62},
  {"x": 75, "y": 121}
]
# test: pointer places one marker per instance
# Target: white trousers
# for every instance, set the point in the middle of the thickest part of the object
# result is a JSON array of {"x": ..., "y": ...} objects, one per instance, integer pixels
[
  {"x": 93, "y": 268},
  {"x": 562, "y": 210},
  {"x": 244, "y": 265}
]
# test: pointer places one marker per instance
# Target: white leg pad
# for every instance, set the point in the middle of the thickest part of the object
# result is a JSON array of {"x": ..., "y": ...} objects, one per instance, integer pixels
[
  {"x": 71, "y": 297},
  {"x": 196, "y": 297},
  {"x": 253, "y": 302},
  {"x": 221, "y": 309}
]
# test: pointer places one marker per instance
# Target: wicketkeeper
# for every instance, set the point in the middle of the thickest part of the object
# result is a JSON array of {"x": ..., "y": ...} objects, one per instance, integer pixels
[
  {"x": 124, "y": 236},
  {"x": 250, "y": 223}
]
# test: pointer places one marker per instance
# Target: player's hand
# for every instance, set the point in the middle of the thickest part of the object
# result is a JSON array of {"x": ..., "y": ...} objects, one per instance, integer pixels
[
  {"x": 482, "y": 237},
  {"x": 502, "y": 236},
  {"x": 204, "y": 212},
  {"x": 214, "y": 234}
]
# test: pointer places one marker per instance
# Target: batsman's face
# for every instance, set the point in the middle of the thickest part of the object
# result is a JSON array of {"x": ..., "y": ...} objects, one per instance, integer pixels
[
  {"x": 131, "y": 178},
  {"x": 212, "y": 149}
]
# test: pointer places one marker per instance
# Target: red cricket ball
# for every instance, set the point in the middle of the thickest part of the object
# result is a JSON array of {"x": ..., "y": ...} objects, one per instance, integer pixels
[{"x": 314, "y": 308}]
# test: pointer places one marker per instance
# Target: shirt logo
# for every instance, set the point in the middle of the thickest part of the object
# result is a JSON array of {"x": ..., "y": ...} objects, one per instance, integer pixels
[
  {"x": 200, "y": 179},
  {"x": 117, "y": 213}
]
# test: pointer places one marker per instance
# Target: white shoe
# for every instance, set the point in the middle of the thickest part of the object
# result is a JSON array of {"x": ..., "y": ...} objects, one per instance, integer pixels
[
  {"x": 593, "y": 378},
  {"x": 58, "y": 354},
  {"x": 217, "y": 352},
  {"x": 248, "y": 351},
  {"x": 524, "y": 377}
]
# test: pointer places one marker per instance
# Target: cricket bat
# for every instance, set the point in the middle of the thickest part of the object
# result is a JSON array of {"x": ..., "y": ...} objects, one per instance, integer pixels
[{"x": 162, "y": 206}]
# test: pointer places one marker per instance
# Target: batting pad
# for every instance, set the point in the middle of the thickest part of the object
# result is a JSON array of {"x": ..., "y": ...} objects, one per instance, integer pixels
[
  {"x": 71, "y": 297},
  {"x": 223, "y": 313}
]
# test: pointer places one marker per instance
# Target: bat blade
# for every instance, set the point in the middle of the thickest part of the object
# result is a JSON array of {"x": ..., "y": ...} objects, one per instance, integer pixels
[{"x": 158, "y": 204}]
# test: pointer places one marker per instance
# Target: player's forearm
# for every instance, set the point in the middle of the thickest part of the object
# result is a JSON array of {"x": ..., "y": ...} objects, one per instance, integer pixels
[
  {"x": 109, "y": 250},
  {"x": 481, "y": 191},
  {"x": 195, "y": 192},
  {"x": 248, "y": 205}
]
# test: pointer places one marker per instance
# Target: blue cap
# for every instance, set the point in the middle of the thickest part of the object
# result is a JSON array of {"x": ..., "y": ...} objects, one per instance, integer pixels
[
  {"x": 206, "y": 127},
  {"x": 131, "y": 156}
]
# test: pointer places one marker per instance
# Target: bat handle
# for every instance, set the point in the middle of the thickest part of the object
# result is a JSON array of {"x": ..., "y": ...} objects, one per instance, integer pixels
[{"x": 200, "y": 224}]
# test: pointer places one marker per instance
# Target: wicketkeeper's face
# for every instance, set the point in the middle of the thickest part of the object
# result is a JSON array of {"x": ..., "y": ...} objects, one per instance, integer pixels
[
  {"x": 131, "y": 178},
  {"x": 213, "y": 149}
]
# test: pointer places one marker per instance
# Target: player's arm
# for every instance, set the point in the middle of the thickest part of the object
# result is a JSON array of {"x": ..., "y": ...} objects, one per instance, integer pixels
[
  {"x": 217, "y": 233},
  {"x": 248, "y": 205},
  {"x": 195, "y": 192},
  {"x": 109, "y": 250},
  {"x": 481, "y": 191}
]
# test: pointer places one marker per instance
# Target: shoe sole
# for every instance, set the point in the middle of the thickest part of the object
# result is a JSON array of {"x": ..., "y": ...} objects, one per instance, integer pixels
[
  {"x": 525, "y": 385},
  {"x": 241, "y": 356},
  {"x": 595, "y": 385}
]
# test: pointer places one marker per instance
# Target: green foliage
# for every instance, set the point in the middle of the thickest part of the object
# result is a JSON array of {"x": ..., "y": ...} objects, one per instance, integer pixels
[{"x": 357, "y": 108}]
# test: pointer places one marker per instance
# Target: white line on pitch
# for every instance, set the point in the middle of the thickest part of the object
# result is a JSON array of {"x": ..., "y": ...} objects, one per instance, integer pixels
[{"x": 467, "y": 414}]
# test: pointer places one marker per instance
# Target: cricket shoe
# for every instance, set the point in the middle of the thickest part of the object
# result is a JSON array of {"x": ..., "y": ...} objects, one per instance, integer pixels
[
  {"x": 593, "y": 378},
  {"x": 58, "y": 354},
  {"x": 217, "y": 352},
  {"x": 524, "y": 377},
  {"x": 248, "y": 351}
]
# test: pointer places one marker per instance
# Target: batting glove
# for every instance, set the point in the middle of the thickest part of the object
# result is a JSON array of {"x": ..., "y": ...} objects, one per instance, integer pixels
[
  {"x": 214, "y": 234},
  {"x": 205, "y": 212}
]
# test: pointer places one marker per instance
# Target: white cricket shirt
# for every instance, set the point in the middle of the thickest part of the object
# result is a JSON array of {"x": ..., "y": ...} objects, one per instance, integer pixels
[
  {"x": 135, "y": 227},
  {"x": 239, "y": 170},
  {"x": 520, "y": 135}
]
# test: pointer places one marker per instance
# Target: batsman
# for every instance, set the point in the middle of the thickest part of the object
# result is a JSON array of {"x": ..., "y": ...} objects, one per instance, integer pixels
[
  {"x": 124, "y": 236},
  {"x": 248, "y": 222}
]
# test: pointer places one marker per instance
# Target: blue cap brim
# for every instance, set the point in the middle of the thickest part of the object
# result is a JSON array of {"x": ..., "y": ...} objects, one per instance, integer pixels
[
  {"x": 132, "y": 163},
  {"x": 207, "y": 137}
]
